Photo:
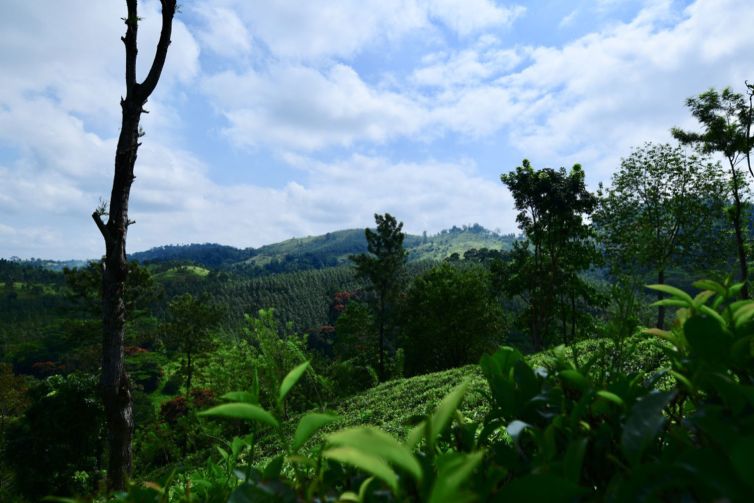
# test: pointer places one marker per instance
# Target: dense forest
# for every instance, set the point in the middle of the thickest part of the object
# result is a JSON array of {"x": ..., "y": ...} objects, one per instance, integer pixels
[{"x": 605, "y": 352}]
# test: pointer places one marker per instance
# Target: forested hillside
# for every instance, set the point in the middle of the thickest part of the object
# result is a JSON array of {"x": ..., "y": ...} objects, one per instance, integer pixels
[{"x": 601, "y": 350}]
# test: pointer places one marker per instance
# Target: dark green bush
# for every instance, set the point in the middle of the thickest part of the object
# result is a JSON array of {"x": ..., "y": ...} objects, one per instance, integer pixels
[{"x": 59, "y": 436}]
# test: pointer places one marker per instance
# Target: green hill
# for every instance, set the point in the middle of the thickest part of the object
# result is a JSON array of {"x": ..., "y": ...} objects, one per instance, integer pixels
[{"x": 318, "y": 252}]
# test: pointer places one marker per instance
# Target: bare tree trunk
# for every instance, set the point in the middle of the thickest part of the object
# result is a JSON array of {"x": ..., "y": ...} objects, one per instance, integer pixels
[{"x": 116, "y": 392}]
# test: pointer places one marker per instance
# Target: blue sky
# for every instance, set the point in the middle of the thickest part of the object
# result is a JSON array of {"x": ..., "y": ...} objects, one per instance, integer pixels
[{"x": 276, "y": 119}]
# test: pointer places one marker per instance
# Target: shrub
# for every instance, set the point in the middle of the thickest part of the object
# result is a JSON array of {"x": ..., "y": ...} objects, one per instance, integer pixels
[{"x": 59, "y": 435}]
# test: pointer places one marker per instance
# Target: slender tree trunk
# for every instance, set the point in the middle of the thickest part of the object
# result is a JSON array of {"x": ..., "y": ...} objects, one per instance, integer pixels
[
  {"x": 738, "y": 228},
  {"x": 116, "y": 391},
  {"x": 660, "y": 309}
]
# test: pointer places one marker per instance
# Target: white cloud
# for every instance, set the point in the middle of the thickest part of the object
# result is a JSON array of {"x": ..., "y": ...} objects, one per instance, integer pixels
[
  {"x": 295, "y": 106},
  {"x": 319, "y": 29},
  {"x": 468, "y": 67},
  {"x": 470, "y": 16},
  {"x": 605, "y": 92},
  {"x": 224, "y": 33}
]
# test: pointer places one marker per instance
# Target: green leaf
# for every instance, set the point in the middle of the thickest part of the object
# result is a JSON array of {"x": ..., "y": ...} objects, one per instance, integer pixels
[
  {"x": 308, "y": 426},
  {"x": 451, "y": 475},
  {"x": 574, "y": 459},
  {"x": 243, "y": 411},
  {"x": 702, "y": 298},
  {"x": 540, "y": 489},
  {"x": 369, "y": 464},
  {"x": 274, "y": 467},
  {"x": 348, "y": 497},
  {"x": 643, "y": 423},
  {"x": 575, "y": 379},
  {"x": 240, "y": 396},
  {"x": 377, "y": 443},
  {"x": 415, "y": 435},
  {"x": 706, "y": 338},
  {"x": 744, "y": 314},
  {"x": 444, "y": 413},
  {"x": 670, "y": 303},
  {"x": 675, "y": 292},
  {"x": 611, "y": 397},
  {"x": 734, "y": 290},
  {"x": 291, "y": 379},
  {"x": 707, "y": 284},
  {"x": 713, "y": 314}
]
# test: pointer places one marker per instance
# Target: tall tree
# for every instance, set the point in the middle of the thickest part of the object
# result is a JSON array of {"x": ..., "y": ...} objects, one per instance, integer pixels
[
  {"x": 188, "y": 330},
  {"x": 551, "y": 208},
  {"x": 661, "y": 211},
  {"x": 116, "y": 392},
  {"x": 383, "y": 267},
  {"x": 726, "y": 119},
  {"x": 449, "y": 318}
]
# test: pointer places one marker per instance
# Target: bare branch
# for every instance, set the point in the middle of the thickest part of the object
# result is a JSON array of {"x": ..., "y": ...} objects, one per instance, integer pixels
[
  {"x": 168, "y": 11},
  {"x": 132, "y": 23},
  {"x": 97, "y": 216}
]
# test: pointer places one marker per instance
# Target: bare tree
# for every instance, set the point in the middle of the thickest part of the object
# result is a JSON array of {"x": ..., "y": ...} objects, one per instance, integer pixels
[{"x": 116, "y": 391}]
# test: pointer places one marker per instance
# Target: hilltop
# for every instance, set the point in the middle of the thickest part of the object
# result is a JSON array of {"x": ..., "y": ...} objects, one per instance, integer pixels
[{"x": 326, "y": 250}]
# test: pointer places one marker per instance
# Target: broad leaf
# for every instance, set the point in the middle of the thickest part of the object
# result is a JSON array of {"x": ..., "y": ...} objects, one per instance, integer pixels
[
  {"x": 308, "y": 426},
  {"x": 244, "y": 411},
  {"x": 240, "y": 396},
  {"x": 366, "y": 462},
  {"x": 643, "y": 424},
  {"x": 291, "y": 379},
  {"x": 675, "y": 292},
  {"x": 444, "y": 413},
  {"x": 377, "y": 443},
  {"x": 451, "y": 476}
]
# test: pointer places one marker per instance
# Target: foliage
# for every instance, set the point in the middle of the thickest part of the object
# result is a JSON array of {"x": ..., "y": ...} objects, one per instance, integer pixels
[
  {"x": 188, "y": 329},
  {"x": 59, "y": 435},
  {"x": 659, "y": 203},
  {"x": 275, "y": 352},
  {"x": 552, "y": 206},
  {"x": 726, "y": 118},
  {"x": 449, "y": 318},
  {"x": 356, "y": 334},
  {"x": 383, "y": 267}
]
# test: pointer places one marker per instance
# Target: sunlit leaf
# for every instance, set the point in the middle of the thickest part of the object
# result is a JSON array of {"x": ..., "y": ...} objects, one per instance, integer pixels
[
  {"x": 451, "y": 477},
  {"x": 243, "y": 411},
  {"x": 240, "y": 396},
  {"x": 379, "y": 444},
  {"x": 366, "y": 462},
  {"x": 675, "y": 292},
  {"x": 611, "y": 397},
  {"x": 308, "y": 426},
  {"x": 291, "y": 379},
  {"x": 707, "y": 284},
  {"x": 445, "y": 411}
]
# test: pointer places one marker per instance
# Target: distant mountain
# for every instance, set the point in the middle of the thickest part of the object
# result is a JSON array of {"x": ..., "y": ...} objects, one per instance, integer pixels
[
  {"x": 207, "y": 254},
  {"x": 327, "y": 250}
]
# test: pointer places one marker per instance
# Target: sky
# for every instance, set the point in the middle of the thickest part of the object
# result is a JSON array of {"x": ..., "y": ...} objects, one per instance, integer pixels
[{"x": 276, "y": 119}]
